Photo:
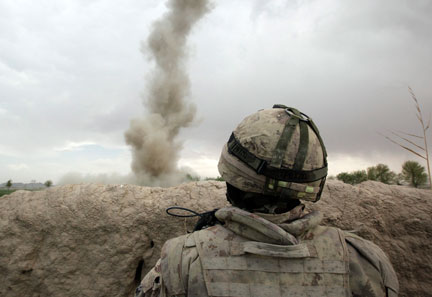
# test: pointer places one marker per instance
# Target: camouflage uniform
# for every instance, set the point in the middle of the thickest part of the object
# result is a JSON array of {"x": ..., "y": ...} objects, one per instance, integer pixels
[
  {"x": 267, "y": 255},
  {"x": 273, "y": 157}
]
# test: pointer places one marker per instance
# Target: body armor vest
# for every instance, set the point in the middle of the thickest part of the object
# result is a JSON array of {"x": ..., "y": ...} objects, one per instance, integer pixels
[{"x": 317, "y": 266}]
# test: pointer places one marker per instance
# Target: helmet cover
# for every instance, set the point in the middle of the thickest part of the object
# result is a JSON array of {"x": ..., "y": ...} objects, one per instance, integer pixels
[{"x": 276, "y": 152}]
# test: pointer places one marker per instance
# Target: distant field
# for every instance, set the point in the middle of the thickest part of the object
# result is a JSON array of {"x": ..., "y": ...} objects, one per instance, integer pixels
[{"x": 6, "y": 192}]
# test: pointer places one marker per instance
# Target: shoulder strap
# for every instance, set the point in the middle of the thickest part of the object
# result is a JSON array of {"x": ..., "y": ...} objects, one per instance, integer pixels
[
  {"x": 171, "y": 260},
  {"x": 378, "y": 259}
]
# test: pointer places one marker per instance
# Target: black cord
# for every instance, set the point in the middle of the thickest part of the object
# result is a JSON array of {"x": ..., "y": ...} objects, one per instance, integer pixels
[
  {"x": 206, "y": 219},
  {"x": 195, "y": 214}
]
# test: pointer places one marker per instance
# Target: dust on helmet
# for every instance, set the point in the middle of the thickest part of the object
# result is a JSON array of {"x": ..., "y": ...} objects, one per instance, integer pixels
[{"x": 276, "y": 152}]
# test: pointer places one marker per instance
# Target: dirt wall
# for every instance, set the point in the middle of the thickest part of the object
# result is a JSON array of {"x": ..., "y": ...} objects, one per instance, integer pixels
[{"x": 99, "y": 240}]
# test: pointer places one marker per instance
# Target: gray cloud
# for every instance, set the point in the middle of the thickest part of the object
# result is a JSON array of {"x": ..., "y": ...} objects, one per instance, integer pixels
[
  {"x": 72, "y": 72},
  {"x": 349, "y": 69}
]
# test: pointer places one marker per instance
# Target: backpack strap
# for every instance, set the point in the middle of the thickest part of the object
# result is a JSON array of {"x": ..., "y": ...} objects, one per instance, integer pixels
[
  {"x": 171, "y": 265},
  {"x": 378, "y": 259}
]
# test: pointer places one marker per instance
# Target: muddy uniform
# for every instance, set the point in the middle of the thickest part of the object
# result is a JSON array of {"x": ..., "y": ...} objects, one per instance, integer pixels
[{"x": 265, "y": 255}]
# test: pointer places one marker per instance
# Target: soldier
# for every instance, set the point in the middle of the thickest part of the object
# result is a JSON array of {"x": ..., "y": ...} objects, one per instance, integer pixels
[{"x": 265, "y": 244}]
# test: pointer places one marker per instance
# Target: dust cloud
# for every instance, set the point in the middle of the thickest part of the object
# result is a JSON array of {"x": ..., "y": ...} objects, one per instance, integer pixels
[{"x": 155, "y": 149}]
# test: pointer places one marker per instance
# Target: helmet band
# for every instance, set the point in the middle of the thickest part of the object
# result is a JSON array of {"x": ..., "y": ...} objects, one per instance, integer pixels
[{"x": 262, "y": 167}]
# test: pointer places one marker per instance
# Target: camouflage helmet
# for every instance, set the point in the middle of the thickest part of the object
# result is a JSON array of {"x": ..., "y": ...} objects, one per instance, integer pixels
[{"x": 276, "y": 152}]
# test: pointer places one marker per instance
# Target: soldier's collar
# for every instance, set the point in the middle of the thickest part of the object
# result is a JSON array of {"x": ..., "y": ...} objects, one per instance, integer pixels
[
  {"x": 294, "y": 214},
  {"x": 253, "y": 227},
  {"x": 304, "y": 224},
  {"x": 295, "y": 221}
]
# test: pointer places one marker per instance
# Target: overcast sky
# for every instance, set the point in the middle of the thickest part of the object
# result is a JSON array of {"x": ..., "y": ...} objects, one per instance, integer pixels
[{"x": 72, "y": 77}]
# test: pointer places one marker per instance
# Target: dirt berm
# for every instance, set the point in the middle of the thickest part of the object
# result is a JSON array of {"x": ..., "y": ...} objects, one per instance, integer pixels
[{"x": 99, "y": 240}]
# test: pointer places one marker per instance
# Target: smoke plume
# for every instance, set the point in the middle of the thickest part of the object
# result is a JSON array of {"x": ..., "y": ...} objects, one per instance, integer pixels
[{"x": 155, "y": 149}]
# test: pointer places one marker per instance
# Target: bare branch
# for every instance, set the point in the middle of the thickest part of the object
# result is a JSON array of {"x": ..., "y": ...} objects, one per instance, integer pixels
[
  {"x": 413, "y": 96},
  {"x": 419, "y": 118},
  {"x": 407, "y": 140},
  {"x": 417, "y": 106},
  {"x": 428, "y": 125},
  {"x": 413, "y": 135},
  {"x": 407, "y": 148}
]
